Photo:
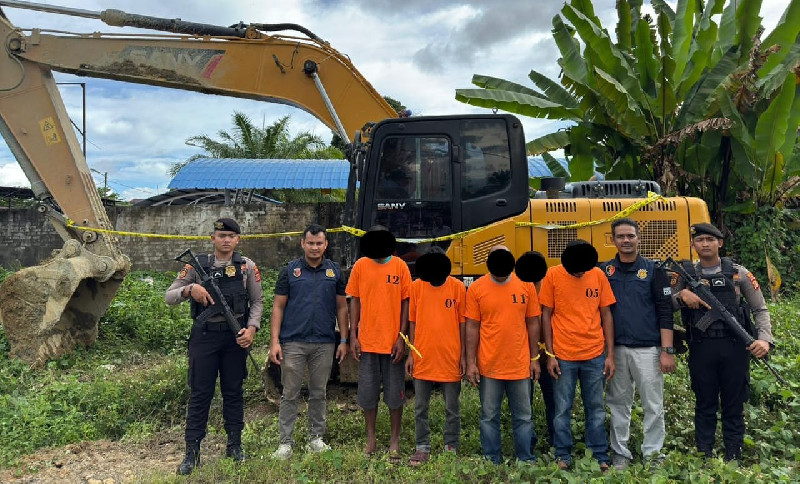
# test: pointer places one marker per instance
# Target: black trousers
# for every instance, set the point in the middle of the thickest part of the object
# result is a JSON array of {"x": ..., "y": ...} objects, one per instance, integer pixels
[
  {"x": 213, "y": 353},
  {"x": 720, "y": 373}
]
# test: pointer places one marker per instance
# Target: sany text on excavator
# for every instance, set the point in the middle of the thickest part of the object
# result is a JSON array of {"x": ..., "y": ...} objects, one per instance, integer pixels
[{"x": 421, "y": 177}]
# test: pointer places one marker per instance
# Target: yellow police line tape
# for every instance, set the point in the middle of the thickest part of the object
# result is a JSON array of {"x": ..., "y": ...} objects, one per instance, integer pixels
[
  {"x": 651, "y": 197},
  {"x": 408, "y": 343}
]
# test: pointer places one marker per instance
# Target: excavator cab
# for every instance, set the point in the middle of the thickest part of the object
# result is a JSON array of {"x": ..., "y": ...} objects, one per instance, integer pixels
[{"x": 430, "y": 177}]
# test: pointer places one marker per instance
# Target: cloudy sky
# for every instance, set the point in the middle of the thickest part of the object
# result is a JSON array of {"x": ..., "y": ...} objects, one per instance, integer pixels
[{"x": 416, "y": 51}]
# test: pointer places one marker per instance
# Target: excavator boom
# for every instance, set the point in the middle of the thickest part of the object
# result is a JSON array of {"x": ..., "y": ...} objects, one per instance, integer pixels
[{"x": 48, "y": 309}]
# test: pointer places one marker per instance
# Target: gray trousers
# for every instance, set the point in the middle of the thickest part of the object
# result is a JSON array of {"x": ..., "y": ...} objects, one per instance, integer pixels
[
  {"x": 452, "y": 421},
  {"x": 637, "y": 369},
  {"x": 318, "y": 357}
]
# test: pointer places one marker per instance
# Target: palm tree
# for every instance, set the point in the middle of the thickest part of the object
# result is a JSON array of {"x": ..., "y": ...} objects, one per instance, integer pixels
[{"x": 246, "y": 140}]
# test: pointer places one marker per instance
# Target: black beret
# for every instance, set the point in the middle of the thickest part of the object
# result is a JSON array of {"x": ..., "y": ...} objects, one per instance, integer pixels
[
  {"x": 500, "y": 262},
  {"x": 579, "y": 256},
  {"x": 377, "y": 244},
  {"x": 531, "y": 266},
  {"x": 705, "y": 229},
  {"x": 433, "y": 267},
  {"x": 227, "y": 224}
]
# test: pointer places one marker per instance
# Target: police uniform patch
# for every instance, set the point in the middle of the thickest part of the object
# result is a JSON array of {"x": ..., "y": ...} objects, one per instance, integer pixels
[
  {"x": 230, "y": 271},
  {"x": 641, "y": 274},
  {"x": 296, "y": 272},
  {"x": 667, "y": 291},
  {"x": 673, "y": 279},
  {"x": 329, "y": 273},
  {"x": 183, "y": 272},
  {"x": 705, "y": 282},
  {"x": 610, "y": 270},
  {"x": 753, "y": 281},
  {"x": 256, "y": 273}
]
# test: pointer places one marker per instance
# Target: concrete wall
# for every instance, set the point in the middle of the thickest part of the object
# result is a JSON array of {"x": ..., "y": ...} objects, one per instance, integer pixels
[{"x": 27, "y": 237}]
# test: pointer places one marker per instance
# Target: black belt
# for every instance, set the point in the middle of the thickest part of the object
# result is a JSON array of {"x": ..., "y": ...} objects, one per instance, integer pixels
[
  {"x": 713, "y": 333},
  {"x": 214, "y": 327}
]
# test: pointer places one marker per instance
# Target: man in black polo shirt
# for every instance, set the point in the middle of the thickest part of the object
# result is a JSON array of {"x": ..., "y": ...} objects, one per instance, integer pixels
[{"x": 309, "y": 298}]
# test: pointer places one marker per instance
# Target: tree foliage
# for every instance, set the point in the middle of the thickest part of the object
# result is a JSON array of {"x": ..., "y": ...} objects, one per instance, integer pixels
[
  {"x": 691, "y": 97},
  {"x": 246, "y": 140}
]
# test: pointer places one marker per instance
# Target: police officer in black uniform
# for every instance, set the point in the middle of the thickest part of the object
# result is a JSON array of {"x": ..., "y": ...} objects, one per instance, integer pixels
[
  {"x": 213, "y": 350},
  {"x": 719, "y": 363}
]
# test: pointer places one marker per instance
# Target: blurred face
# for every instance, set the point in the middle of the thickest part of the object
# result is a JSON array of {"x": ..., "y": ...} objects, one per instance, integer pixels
[
  {"x": 314, "y": 245},
  {"x": 707, "y": 246},
  {"x": 224, "y": 241},
  {"x": 626, "y": 240}
]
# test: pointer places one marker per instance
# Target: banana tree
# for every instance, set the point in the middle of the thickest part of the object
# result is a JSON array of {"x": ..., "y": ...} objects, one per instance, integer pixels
[{"x": 664, "y": 97}]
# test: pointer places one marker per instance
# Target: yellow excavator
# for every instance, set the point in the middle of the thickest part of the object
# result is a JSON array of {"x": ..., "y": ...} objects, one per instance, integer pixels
[{"x": 422, "y": 177}]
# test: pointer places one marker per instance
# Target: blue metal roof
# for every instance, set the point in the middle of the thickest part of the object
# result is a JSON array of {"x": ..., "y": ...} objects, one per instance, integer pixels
[
  {"x": 207, "y": 173},
  {"x": 231, "y": 173},
  {"x": 537, "y": 167}
]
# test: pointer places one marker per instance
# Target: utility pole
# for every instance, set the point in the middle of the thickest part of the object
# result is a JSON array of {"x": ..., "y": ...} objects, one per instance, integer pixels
[{"x": 105, "y": 180}]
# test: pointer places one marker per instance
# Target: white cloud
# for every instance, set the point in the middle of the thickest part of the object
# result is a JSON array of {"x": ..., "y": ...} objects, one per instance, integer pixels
[{"x": 12, "y": 175}]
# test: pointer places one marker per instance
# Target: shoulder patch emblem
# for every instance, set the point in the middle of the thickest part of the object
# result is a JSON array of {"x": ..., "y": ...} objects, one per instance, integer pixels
[
  {"x": 753, "y": 281},
  {"x": 256, "y": 273},
  {"x": 230, "y": 271},
  {"x": 641, "y": 273},
  {"x": 184, "y": 271},
  {"x": 296, "y": 272},
  {"x": 610, "y": 270},
  {"x": 673, "y": 278},
  {"x": 329, "y": 273}
]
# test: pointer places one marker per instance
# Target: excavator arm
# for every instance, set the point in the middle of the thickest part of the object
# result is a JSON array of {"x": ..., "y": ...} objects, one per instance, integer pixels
[{"x": 48, "y": 309}]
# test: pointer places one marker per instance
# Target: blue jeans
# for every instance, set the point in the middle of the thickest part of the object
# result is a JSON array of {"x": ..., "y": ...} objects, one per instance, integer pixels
[
  {"x": 590, "y": 375},
  {"x": 519, "y": 402}
]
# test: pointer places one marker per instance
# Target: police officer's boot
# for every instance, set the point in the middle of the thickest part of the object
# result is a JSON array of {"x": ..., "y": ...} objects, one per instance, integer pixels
[
  {"x": 192, "y": 458},
  {"x": 234, "y": 447}
]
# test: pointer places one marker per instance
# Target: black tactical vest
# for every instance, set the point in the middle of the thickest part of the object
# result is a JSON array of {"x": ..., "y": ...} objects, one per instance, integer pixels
[
  {"x": 724, "y": 286},
  {"x": 230, "y": 282}
]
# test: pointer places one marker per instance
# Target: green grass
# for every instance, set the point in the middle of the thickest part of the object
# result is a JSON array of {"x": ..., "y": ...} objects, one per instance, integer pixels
[{"x": 132, "y": 383}]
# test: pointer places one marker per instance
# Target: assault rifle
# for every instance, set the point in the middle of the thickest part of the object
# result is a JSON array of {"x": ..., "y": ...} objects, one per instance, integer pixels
[
  {"x": 187, "y": 257},
  {"x": 717, "y": 312}
]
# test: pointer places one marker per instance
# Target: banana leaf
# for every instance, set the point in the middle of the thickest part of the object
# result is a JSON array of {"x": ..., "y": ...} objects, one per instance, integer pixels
[
  {"x": 489, "y": 82},
  {"x": 748, "y": 21},
  {"x": 630, "y": 117},
  {"x": 701, "y": 47},
  {"x": 770, "y": 134},
  {"x": 646, "y": 61},
  {"x": 552, "y": 90},
  {"x": 784, "y": 34},
  {"x": 624, "y": 27},
  {"x": 514, "y": 102},
  {"x": 572, "y": 62},
  {"x": 603, "y": 53},
  {"x": 682, "y": 37},
  {"x": 696, "y": 104},
  {"x": 556, "y": 168},
  {"x": 548, "y": 142},
  {"x": 660, "y": 6},
  {"x": 771, "y": 81},
  {"x": 727, "y": 32}
]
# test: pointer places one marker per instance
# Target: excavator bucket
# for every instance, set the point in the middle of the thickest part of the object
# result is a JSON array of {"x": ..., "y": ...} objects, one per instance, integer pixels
[{"x": 48, "y": 309}]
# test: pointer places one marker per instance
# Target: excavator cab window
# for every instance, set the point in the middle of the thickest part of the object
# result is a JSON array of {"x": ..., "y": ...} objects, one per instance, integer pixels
[{"x": 413, "y": 193}]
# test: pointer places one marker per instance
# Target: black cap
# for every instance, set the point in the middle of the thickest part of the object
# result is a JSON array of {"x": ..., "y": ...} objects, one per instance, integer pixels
[
  {"x": 531, "y": 267},
  {"x": 705, "y": 229},
  {"x": 579, "y": 256},
  {"x": 227, "y": 224},
  {"x": 377, "y": 243},
  {"x": 500, "y": 262}
]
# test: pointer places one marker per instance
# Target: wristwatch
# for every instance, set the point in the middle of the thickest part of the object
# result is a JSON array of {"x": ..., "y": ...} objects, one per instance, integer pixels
[{"x": 670, "y": 350}]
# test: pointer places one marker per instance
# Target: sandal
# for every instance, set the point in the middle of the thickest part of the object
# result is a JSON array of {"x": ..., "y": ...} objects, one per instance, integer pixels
[
  {"x": 419, "y": 458},
  {"x": 395, "y": 457}
]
